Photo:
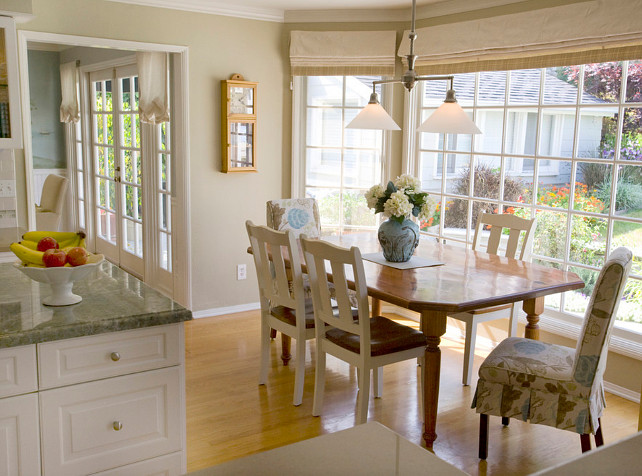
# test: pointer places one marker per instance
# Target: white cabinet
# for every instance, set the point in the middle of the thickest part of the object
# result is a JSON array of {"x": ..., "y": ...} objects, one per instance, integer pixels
[
  {"x": 19, "y": 436},
  {"x": 95, "y": 426},
  {"x": 112, "y": 404}
]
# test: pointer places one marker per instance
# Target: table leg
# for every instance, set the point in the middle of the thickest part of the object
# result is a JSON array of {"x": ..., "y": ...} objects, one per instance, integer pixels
[
  {"x": 285, "y": 348},
  {"x": 433, "y": 325},
  {"x": 375, "y": 307},
  {"x": 533, "y": 308}
]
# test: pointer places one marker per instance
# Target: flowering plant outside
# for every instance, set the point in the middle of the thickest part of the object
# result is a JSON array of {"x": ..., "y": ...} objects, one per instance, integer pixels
[{"x": 401, "y": 199}]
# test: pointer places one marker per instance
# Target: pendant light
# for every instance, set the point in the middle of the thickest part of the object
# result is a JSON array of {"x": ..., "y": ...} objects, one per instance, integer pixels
[{"x": 448, "y": 118}]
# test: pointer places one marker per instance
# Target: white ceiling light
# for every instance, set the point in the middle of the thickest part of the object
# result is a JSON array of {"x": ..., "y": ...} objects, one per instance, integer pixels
[{"x": 448, "y": 118}]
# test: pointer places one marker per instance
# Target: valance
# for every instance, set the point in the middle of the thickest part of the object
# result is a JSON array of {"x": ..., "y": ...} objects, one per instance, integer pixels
[
  {"x": 341, "y": 53},
  {"x": 585, "y": 32},
  {"x": 69, "y": 106},
  {"x": 153, "y": 104}
]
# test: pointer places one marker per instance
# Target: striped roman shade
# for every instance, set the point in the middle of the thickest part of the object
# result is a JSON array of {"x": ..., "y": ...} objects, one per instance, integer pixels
[
  {"x": 342, "y": 53},
  {"x": 579, "y": 33}
]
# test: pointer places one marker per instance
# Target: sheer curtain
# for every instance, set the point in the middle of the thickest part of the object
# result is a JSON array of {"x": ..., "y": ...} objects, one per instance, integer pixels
[{"x": 153, "y": 103}]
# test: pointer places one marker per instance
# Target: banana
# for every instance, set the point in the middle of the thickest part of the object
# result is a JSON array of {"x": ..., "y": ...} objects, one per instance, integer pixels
[
  {"x": 94, "y": 258},
  {"x": 27, "y": 255},
  {"x": 29, "y": 244},
  {"x": 31, "y": 265},
  {"x": 75, "y": 241},
  {"x": 56, "y": 235}
]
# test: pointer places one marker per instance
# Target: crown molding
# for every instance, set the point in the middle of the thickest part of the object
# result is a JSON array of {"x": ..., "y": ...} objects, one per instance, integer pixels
[{"x": 214, "y": 8}]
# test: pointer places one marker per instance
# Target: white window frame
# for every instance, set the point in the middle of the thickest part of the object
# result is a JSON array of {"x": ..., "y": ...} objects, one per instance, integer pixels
[
  {"x": 623, "y": 341},
  {"x": 299, "y": 136}
]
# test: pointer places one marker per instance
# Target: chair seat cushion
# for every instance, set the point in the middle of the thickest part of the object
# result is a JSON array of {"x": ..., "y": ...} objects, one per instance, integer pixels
[
  {"x": 386, "y": 337},
  {"x": 532, "y": 380},
  {"x": 529, "y": 363},
  {"x": 288, "y": 315}
]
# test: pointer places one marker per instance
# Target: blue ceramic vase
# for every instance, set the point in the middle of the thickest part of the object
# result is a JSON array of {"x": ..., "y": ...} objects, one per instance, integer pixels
[{"x": 398, "y": 240}]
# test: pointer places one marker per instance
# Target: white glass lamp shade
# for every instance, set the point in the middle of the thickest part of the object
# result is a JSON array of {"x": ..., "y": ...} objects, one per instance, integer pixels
[
  {"x": 449, "y": 118},
  {"x": 373, "y": 116}
]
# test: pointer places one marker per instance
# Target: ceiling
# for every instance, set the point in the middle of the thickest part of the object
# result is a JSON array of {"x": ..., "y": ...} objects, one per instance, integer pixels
[{"x": 290, "y": 11}]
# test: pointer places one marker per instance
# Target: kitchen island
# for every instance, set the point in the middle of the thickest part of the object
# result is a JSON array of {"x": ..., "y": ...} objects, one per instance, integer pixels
[{"x": 97, "y": 387}]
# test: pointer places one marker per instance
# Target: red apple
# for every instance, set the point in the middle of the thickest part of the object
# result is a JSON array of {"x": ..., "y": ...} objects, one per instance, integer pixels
[
  {"x": 77, "y": 256},
  {"x": 54, "y": 258},
  {"x": 47, "y": 243}
]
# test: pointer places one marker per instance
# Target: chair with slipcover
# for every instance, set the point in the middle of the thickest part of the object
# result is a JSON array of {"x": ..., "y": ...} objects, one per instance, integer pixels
[
  {"x": 515, "y": 227},
  {"x": 552, "y": 384},
  {"x": 52, "y": 200},
  {"x": 368, "y": 343}
]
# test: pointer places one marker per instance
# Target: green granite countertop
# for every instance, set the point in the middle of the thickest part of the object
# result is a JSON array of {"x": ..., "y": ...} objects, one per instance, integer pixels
[{"x": 113, "y": 300}]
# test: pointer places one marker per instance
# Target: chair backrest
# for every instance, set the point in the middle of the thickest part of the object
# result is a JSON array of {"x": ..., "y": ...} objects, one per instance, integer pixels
[
  {"x": 275, "y": 253},
  {"x": 344, "y": 264},
  {"x": 498, "y": 224},
  {"x": 592, "y": 346},
  {"x": 299, "y": 215},
  {"x": 53, "y": 193}
]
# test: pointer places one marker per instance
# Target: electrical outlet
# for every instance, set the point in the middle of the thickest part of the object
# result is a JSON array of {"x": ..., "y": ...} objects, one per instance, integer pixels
[{"x": 241, "y": 272}]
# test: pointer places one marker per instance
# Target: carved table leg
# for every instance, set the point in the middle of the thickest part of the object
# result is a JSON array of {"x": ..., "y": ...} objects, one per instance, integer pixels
[
  {"x": 533, "y": 308},
  {"x": 285, "y": 348},
  {"x": 433, "y": 325}
]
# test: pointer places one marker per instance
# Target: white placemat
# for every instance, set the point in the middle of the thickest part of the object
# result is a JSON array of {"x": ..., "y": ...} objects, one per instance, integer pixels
[{"x": 414, "y": 262}]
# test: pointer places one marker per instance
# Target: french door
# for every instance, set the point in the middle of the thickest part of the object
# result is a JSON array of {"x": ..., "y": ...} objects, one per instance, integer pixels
[{"x": 118, "y": 171}]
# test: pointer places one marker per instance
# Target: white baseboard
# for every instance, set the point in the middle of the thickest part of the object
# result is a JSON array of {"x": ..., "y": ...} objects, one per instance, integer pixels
[
  {"x": 622, "y": 392},
  {"x": 218, "y": 311}
]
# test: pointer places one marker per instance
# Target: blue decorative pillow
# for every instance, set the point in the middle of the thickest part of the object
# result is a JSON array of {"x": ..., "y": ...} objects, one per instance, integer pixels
[{"x": 298, "y": 218}]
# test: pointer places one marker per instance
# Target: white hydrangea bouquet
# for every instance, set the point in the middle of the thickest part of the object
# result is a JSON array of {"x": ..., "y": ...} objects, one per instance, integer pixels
[{"x": 401, "y": 200}]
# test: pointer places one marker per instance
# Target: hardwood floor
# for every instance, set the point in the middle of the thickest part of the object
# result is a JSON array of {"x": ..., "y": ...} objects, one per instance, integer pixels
[{"x": 229, "y": 415}]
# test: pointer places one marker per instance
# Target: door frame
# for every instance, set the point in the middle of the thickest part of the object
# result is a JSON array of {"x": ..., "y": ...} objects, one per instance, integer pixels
[{"x": 179, "y": 72}]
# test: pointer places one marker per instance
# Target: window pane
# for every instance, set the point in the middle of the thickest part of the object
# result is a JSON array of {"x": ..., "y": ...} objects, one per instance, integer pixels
[
  {"x": 628, "y": 194},
  {"x": 487, "y": 177},
  {"x": 434, "y": 93},
  {"x": 557, "y": 132},
  {"x": 602, "y": 82},
  {"x": 328, "y": 200},
  {"x": 464, "y": 85},
  {"x": 521, "y": 131},
  {"x": 596, "y": 136},
  {"x": 629, "y": 234},
  {"x": 491, "y": 123},
  {"x": 554, "y": 187},
  {"x": 355, "y": 209},
  {"x": 323, "y": 167},
  {"x": 361, "y": 168},
  {"x": 634, "y": 82},
  {"x": 524, "y": 86},
  {"x": 588, "y": 240},
  {"x": 358, "y": 90},
  {"x": 455, "y": 215},
  {"x": 457, "y": 173},
  {"x": 126, "y": 90},
  {"x": 325, "y": 127},
  {"x": 325, "y": 90},
  {"x": 593, "y": 187},
  {"x": 550, "y": 240},
  {"x": 518, "y": 179},
  {"x": 631, "y": 145},
  {"x": 429, "y": 173},
  {"x": 560, "y": 87},
  {"x": 492, "y": 88},
  {"x": 575, "y": 302}
]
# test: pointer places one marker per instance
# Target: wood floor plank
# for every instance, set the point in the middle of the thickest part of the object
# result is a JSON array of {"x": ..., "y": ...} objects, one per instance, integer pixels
[{"x": 229, "y": 415}]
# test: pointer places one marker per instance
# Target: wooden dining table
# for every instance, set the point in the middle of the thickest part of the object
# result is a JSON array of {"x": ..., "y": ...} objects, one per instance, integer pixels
[{"x": 466, "y": 280}]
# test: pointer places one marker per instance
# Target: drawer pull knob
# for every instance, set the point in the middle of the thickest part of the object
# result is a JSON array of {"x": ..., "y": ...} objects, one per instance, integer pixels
[
  {"x": 117, "y": 426},
  {"x": 115, "y": 356}
]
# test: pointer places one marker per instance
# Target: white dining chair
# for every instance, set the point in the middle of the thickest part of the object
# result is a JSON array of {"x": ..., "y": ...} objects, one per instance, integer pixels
[
  {"x": 283, "y": 304},
  {"x": 508, "y": 228},
  {"x": 368, "y": 343},
  {"x": 52, "y": 200}
]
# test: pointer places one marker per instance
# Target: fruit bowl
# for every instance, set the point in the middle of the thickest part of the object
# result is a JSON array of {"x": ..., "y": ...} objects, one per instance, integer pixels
[{"x": 60, "y": 279}]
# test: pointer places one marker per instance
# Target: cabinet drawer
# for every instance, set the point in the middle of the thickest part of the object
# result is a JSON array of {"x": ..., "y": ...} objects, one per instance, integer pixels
[
  {"x": 168, "y": 465},
  {"x": 96, "y": 426},
  {"x": 84, "y": 359},
  {"x": 18, "y": 370},
  {"x": 19, "y": 438}
]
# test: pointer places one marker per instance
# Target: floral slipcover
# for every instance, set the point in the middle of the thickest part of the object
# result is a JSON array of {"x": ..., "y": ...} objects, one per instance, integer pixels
[
  {"x": 299, "y": 215},
  {"x": 551, "y": 384}
]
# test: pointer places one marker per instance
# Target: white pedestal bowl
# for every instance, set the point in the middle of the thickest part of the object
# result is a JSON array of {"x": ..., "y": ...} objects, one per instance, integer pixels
[{"x": 61, "y": 280}]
